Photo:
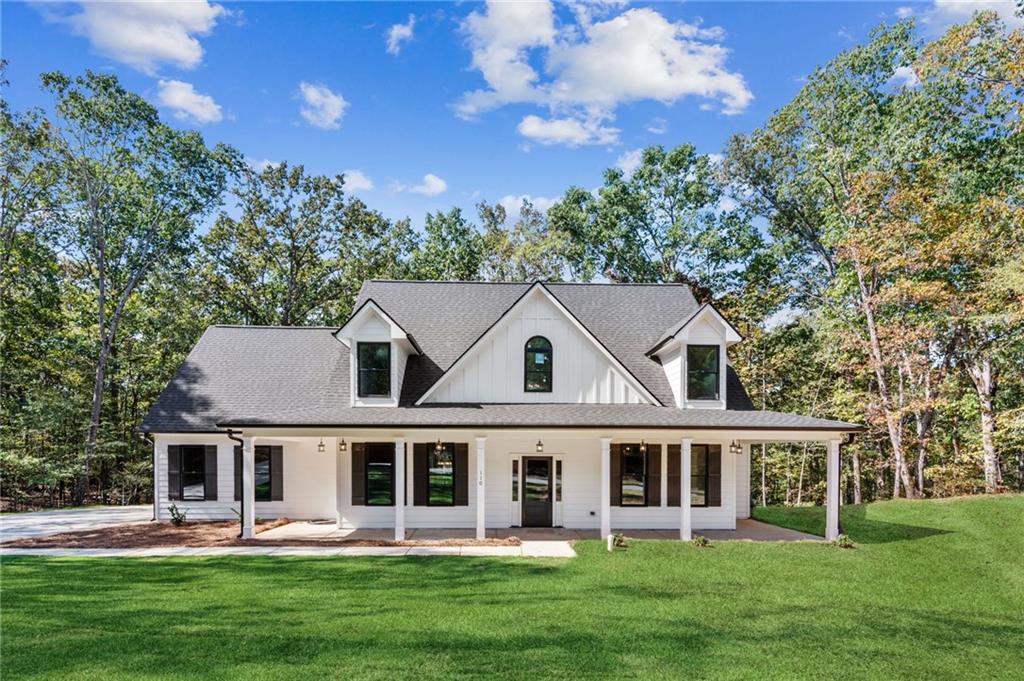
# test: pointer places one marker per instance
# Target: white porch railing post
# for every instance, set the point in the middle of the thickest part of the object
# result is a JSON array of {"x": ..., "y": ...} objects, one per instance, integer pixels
[
  {"x": 481, "y": 496},
  {"x": 832, "y": 492},
  {"x": 248, "y": 487},
  {"x": 685, "y": 512},
  {"x": 606, "y": 487},
  {"x": 399, "y": 489}
]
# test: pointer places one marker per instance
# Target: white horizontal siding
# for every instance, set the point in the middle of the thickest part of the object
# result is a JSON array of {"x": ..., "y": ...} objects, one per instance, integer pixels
[{"x": 308, "y": 480}]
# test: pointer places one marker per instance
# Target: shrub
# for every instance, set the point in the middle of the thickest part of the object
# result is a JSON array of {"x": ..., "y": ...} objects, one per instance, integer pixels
[
  {"x": 843, "y": 541},
  {"x": 700, "y": 541},
  {"x": 177, "y": 515},
  {"x": 619, "y": 540}
]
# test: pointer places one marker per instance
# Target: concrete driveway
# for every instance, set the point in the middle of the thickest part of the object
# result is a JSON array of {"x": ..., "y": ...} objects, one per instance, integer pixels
[{"x": 39, "y": 523}]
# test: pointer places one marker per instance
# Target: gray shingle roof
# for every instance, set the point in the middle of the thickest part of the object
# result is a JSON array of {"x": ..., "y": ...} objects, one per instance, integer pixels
[{"x": 299, "y": 375}]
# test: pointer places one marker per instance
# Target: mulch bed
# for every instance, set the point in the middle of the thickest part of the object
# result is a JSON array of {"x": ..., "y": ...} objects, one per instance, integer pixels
[{"x": 197, "y": 534}]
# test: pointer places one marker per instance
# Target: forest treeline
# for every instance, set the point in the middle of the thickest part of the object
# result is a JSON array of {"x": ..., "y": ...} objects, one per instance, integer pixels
[{"x": 867, "y": 240}]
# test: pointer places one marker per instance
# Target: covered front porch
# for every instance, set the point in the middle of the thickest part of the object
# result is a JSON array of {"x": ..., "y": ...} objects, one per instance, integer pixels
[{"x": 519, "y": 481}]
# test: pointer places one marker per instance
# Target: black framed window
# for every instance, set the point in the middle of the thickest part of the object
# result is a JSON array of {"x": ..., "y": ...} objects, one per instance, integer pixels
[
  {"x": 193, "y": 472},
  {"x": 702, "y": 372},
  {"x": 633, "y": 476},
  {"x": 441, "y": 480},
  {"x": 538, "y": 365},
  {"x": 699, "y": 475},
  {"x": 374, "y": 369},
  {"x": 515, "y": 479},
  {"x": 263, "y": 469},
  {"x": 380, "y": 475}
]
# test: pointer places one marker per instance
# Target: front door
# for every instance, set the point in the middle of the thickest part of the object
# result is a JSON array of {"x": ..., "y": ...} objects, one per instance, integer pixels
[{"x": 537, "y": 491}]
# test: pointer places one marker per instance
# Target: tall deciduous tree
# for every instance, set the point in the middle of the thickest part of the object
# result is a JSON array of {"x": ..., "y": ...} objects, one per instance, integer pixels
[
  {"x": 526, "y": 251},
  {"x": 664, "y": 222},
  {"x": 451, "y": 250},
  {"x": 130, "y": 190}
]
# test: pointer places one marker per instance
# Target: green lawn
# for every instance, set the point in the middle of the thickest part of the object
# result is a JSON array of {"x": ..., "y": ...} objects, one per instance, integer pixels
[{"x": 935, "y": 590}]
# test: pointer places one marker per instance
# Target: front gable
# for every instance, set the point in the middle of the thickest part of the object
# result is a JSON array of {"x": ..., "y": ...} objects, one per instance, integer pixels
[{"x": 492, "y": 370}]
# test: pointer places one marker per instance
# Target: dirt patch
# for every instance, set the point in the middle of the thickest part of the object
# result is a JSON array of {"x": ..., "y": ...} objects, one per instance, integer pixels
[
  {"x": 197, "y": 534},
  {"x": 144, "y": 536}
]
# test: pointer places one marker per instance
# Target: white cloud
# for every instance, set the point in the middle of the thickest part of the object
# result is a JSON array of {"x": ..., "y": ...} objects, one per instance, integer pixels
[
  {"x": 905, "y": 76},
  {"x": 143, "y": 34},
  {"x": 571, "y": 132},
  {"x": 512, "y": 203},
  {"x": 657, "y": 126},
  {"x": 261, "y": 164},
  {"x": 432, "y": 185},
  {"x": 187, "y": 104},
  {"x": 904, "y": 12},
  {"x": 321, "y": 107},
  {"x": 357, "y": 181},
  {"x": 400, "y": 33},
  {"x": 945, "y": 13},
  {"x": 590, "y": 67},
  {"x": 630, "y": 161}
]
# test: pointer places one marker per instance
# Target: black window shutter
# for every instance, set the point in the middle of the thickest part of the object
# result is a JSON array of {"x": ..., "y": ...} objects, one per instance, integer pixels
[
  {"x": 173, "y": 472},
  {"x": 616, "y": 475},
  {"x": 276, "y": 473},
  {"x": 715, "y": 475},
  {"x": 210, "y": 468},
  {"x": 359, "y": 474},
  {"x": 654, "y": 475},
  {"x": 674, "y": 480},
  {"x": 419, "y": 473},
  {"x": 461, "y": 474},
  {"x": 238, "y": 472}
]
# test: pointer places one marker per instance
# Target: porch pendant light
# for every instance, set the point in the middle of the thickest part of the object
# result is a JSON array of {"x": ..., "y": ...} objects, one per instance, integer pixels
[
  {"x": 342, "y": 446},
  {"x": 540, "y": 447},
  {"x": 438, "y": 447},
  {"x": 320, "y": 447}
]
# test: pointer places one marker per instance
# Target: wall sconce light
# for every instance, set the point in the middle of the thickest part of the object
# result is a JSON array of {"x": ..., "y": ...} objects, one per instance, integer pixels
[
  {"x": 438, "y": 447},
  {"x": 320, "y": 447},
  {"x": 735, "y": 449},
  {"x": 643, "y": 447},
  {"x": 342, "y": 446},
  {"x": 540, "y": 447}
]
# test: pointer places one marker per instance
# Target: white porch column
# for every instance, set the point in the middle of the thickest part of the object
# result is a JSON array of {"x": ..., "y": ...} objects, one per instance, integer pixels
[
  {"x": 248, "y": 487},
  {"x": 156, "y": 481},
  {"x": 685, "y": 513},
  {"x": 832, "y": 492},
  {"x": 399, "y": 489},
  {"x": 606, "y": 487},
  {"x": 481, "y": 496}
]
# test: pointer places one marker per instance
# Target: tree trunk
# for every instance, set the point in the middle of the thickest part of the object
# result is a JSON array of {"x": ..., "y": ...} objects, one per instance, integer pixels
[
  {"x": 892, "y": 419},
  {"x": 980, "y": 371},
  {"x": 857, "y": 499},
  {"x": 82, "y": 483},
  {"x": 764, "y": 474}
]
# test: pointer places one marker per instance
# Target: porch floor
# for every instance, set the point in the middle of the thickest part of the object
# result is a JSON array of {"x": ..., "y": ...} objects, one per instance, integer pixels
[{"x": 746, "y": 529}]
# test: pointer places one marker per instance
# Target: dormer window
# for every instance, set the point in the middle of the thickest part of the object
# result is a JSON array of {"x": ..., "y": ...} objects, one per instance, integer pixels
[
  {"x": 374, "y": 369},
  {"x": 702, "y": 372},
  {"x": 538, "y": 365}
]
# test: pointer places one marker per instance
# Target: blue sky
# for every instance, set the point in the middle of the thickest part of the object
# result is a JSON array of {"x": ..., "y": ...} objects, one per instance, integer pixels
[{"x": 430, "y": 105}]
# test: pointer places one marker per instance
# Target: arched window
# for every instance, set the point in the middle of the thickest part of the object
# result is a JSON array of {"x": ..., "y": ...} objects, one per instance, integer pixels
[{"x": 538, "y": 365}]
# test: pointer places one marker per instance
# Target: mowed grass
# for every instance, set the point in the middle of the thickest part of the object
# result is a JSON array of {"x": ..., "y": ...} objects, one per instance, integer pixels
[{"x": 935, "y": 590}]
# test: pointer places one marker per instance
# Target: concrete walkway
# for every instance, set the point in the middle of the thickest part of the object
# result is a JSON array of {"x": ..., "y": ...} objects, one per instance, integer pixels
[
  {"x": 41, "y": 523},
  {"x": 528, "y": 549}
]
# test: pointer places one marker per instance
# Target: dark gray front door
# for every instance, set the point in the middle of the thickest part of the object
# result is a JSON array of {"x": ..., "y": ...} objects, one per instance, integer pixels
[{"x": 537, "y": 491}]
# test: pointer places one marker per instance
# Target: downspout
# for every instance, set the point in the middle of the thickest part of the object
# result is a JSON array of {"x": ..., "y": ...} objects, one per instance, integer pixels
[
  {"x": 241, "y": 499},
  {"x": 152, "y": 446}
]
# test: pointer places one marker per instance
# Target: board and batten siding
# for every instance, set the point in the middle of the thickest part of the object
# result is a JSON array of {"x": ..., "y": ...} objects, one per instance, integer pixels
[
  {"x": 308, "y": 480},
  {"x": 493, "y": 372}
]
